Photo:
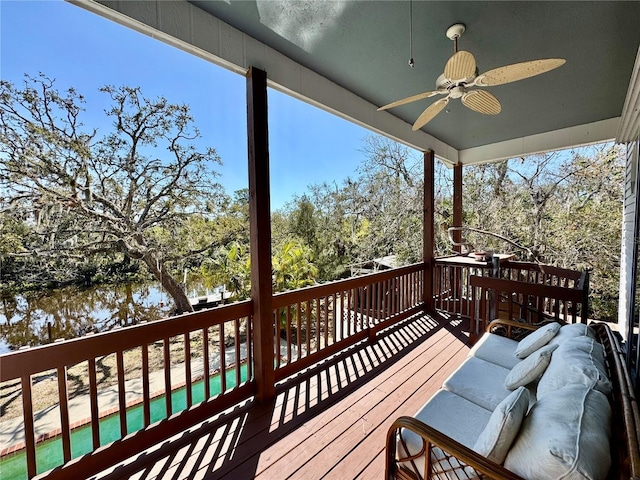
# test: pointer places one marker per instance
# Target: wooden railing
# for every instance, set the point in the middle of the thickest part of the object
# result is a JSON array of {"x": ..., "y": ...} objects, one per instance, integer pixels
[
  {"x": 453, "y": 285},
  {"x": 196, "y": 345},
  {"x": 309, "y": 325},
  {"x": 532, "y": 303},
  {"x": 316, "y": 322},
  {"x": 452, "y": 290}
]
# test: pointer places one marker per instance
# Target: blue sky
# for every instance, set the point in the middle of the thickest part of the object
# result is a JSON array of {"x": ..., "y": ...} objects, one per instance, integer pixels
[{"x": 85, "y": 51}]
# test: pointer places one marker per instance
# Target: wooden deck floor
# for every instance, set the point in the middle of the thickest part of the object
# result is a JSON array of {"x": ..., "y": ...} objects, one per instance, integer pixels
[{"x": 328, "y": 423}]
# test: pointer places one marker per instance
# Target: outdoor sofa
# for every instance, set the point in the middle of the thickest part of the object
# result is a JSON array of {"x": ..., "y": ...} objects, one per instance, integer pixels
[{"x": 563, "y": 408}]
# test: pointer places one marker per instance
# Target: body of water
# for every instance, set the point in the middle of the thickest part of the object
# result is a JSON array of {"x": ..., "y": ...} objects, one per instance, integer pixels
[{"x": 38, "y": 318}]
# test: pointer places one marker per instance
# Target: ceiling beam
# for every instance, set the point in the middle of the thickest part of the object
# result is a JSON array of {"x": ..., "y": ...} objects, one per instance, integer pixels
[{"x": 580, "y": 135}]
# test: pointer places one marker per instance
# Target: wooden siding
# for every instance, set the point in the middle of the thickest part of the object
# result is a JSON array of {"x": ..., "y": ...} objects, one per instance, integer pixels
[
  {"x": 628, "y": 234},
  {"x": 329, "y": 421}
]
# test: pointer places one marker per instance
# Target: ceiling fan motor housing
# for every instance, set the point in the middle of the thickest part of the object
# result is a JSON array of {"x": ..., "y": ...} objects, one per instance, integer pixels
[{"x": 457, "y": 91}]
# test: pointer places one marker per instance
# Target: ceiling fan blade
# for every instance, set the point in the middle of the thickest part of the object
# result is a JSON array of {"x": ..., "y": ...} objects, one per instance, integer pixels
[
  {"x": 432, "y": 110},
  {"x": 461, "y": 66},
  {"x": 518, "y": 71},
  {"x": 414, "y": 98},
  {"x": 482, "y": 101}
]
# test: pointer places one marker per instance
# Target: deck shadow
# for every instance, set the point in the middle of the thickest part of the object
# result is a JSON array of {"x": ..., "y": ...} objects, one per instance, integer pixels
[{"x": 230, "y": 445}]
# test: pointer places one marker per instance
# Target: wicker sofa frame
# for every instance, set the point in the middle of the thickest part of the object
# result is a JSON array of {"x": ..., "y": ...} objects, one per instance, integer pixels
[{"x": 457, "y": 461}]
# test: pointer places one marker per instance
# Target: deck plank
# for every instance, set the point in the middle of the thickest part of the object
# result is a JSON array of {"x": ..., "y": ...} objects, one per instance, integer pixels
[
  {"x": 347, "y": 423},
  {"x": 327, "y": 422}
]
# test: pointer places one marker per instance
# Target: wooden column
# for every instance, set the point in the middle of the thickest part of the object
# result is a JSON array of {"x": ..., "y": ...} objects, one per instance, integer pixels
[
  {"x": 260, "y": 233},
  {"x": 428, "y": 230},
  {"x": 457, "y": 204}
]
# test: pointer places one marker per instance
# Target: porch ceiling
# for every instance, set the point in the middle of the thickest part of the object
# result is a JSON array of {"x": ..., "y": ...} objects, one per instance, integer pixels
[
  {"x": 364, "y": 47},
  {"x": 360, "y": 50}
]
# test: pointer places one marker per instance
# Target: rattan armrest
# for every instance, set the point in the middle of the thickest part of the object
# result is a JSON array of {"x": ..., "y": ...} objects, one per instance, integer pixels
[
  {"x": 484, "y": 468},
  {"x": 511, "y": 329},
  {"x": 511, "y": 323}
]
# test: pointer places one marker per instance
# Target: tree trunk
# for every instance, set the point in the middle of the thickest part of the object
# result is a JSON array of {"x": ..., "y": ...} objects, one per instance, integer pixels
[{"x": 169, "y": 283}]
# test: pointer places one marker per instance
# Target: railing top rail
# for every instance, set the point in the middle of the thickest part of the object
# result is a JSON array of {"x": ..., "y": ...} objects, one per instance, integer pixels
[
  {"x": 514, "y": 264},
  {"x": 309, "y": 293},
  {"x": 546, "y": 269},
  {"x": 538, "y": 289},
  {"x": 69, "y": 352}
]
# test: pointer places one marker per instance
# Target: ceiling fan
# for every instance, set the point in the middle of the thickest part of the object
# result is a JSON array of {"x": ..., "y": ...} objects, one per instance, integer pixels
[{"x": 461, "y": 75}]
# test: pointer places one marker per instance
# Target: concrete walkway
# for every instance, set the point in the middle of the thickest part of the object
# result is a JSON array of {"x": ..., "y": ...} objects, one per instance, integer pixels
[{"x": 47, "y": 421}]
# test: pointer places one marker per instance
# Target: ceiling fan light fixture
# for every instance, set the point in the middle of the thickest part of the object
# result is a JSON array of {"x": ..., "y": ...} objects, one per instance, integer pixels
[{"x": 457, "y": 92}]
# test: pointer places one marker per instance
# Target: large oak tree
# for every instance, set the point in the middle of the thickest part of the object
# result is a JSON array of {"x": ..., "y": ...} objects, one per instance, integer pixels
[{"x": 89, "y": 192}]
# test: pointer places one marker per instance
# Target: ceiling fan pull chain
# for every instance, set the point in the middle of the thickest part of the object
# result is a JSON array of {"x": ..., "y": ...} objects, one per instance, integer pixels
[{"x": 411, "y": 63}]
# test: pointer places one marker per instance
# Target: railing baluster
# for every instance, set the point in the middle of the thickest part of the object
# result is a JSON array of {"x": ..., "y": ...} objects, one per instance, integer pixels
[
  {"x": 288, "y": 327},
  {"x": 146, "y": 397},
  {"x": 402, "y": 293},
  {"x": 393, "y": 298},
  {"x": 386, "y": 299},
  {"x": 206, "y": 369},
  {"x": 122, "y": 394},
  {"x": 276, "y": 338},
  {"x": 308, "y": 324},
  {"x": 223, "y": 361},
  {"x": 325, "y": 312},
  {"x": 405, "y": 279},
  {"x": 333, "y": 317},
  {"x": 249, "y": 322},
  {"x": 29, "y": 430},
  {"x": 379, "y": 290},
  {"x": 64, "y": 413},
  {"x": 298, "y": 331},
  {"x": 187, "y": 368},
  {"x": 93, "y": 403},
  {"x": 318, "y": 330},
  {"x": 167, "y": 377},
  {"x": 236, "y": 323}
]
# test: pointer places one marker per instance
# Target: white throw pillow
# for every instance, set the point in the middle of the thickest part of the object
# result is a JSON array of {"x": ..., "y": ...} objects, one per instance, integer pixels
[
  {"x": 535, "y": 340},
  {"x": 495, "y": 440},
  {"x": 530, "y": 369},
  {"x": 565, "y": 435}
]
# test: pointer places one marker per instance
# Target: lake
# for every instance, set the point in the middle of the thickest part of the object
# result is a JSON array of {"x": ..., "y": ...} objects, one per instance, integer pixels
[{"x": 36, "y": 318}]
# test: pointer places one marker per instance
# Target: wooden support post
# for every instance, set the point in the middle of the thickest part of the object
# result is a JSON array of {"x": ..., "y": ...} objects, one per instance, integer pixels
[
  {"x": 260, "y": 233},
  {"x": 457, "y": 234},
  {"x": 457, "y": 204},
  {"x": 428, "y": 230}
]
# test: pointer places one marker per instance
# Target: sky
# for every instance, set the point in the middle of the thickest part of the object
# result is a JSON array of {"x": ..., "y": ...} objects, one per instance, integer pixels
[{"x": 83, "y": 50}]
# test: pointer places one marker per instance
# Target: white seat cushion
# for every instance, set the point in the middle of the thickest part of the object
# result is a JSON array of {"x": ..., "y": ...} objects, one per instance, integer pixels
[
  {"x": 570, "y": 331},
  {"x": 452, "y": 415},
  {"x": 480, "y": 382},
  {"x": 578, "y": 360},
  {"x": 565, "y": 435},
  {"x": 496, "y": 349}
]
